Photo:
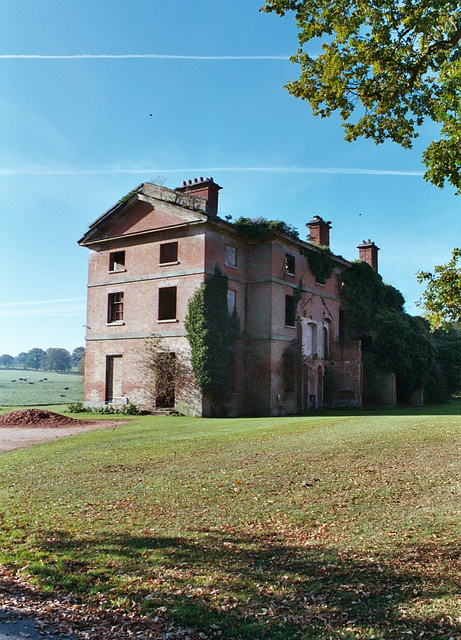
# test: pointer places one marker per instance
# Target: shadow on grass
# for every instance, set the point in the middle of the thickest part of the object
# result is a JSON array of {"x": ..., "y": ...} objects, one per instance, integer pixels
[{"x": 263, "y": 586}]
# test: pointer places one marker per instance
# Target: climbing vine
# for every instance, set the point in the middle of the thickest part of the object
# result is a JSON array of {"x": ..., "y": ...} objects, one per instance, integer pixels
[
  {"x": 212, "y": 333},
  {"x": 260, "y": 227},
  {"x": 320, "y": 263}
]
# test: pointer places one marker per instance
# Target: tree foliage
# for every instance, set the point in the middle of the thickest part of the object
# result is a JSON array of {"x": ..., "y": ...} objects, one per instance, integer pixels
[
  {"x": 212, "y": 333},
  {"x": 6, "y": 360},
  {"x": 385, "y": 66},
  {"x": 404, "y": 346},
  {"x": 445, "y": 375},
  {"x": 35, "y": 359},
  {"x": 442, "y": 297},
  {"x": 260, "y": 227},
  {"x": 77, "y": 354},
  {"x": 58, "y": 359},
  {"x": 393, "y": 341},
  {"x": 364, "y": 296}
]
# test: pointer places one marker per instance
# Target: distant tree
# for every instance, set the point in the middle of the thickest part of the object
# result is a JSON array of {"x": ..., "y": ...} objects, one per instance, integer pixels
[
  {"x": 58, "y": 359},
  {"x": 442, "y": 298},
  {"x": 81, "y": 365},
  {"x": 77, "y": 354},
  {"x": 6, "y": 360},
  {"x": 21, "y": 358},
  {"x": 35, "y": 359}
]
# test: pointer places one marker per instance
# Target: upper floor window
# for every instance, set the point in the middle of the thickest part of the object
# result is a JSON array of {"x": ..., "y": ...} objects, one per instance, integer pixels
[
  {"x": 290, "y": 311},
  {"x": 231, "y": 300},
  {"x": 117, "y": 261},
  {"x": 168, "y": 252},
  {"x": 115, "y": 307},
  {"x": 230, "y": 256},
  {"x": 290, "y": 264},
  {"x": 167, "y": 303}
]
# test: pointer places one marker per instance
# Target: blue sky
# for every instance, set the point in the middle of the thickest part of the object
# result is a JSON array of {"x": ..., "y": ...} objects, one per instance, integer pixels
[{"x": 80, "y": 82}]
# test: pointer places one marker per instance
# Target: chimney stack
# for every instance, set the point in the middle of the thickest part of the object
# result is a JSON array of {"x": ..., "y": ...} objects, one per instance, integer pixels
[
  {"x": 368, "y": 252},
  {"x": 319, "y": 231},
  {"x": 204, "y": 188}
]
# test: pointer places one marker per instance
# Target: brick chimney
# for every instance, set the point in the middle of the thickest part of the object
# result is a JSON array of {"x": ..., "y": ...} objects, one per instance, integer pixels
[
  {"x": 204, "y": 188},
  {"x": 368, "y": 252},
  {"x": 319, "y": 231}
]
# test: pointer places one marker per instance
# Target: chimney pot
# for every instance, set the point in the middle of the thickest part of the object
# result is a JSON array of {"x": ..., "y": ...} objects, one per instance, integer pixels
[
  {"x": 368, "y": 252},
  {"x": 204, "y": 188},
  {"x": 319, "y": 231}
]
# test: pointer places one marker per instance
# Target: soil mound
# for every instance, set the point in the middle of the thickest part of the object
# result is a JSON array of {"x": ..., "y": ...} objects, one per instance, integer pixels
[{"x": 38, "y": 418}]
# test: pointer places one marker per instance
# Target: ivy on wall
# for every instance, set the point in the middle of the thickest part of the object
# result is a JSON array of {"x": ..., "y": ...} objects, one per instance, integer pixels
[
  {"x": 212, "y": 333},
  {"x": 260, "y": 227},
  {"x": 320, "y": 263}
]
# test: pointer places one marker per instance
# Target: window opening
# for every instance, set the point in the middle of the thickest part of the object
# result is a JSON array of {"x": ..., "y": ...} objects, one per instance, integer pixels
[
  {"x": 167, "y": 303},
  {"x": 290, "y": 311},
  {"x": 113, "y": 378},
  {"x": 326, "y": 353},
  {"x": 230, "y": 256},
  {"x": 115, "y": 307},
  {"x": 168, "y": 252},
  {"x": 117, "y": 261},
  {"x": 290, "y": 264},
  {"x": 165, "y": 384},
  {"x": 231, "y": 300}
]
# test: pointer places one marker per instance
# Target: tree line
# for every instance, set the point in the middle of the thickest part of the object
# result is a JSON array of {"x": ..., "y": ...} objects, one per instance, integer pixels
[{"x": 53, "y": 359}]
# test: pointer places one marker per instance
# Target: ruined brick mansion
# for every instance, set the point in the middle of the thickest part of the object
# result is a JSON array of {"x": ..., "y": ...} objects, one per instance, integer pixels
[{"x": 153, "y": 249}]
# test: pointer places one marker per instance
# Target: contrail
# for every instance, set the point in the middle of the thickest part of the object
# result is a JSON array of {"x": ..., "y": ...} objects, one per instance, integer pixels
[
  {"x": 127, "y": 56},
  {"x": 50, "y": 171}
]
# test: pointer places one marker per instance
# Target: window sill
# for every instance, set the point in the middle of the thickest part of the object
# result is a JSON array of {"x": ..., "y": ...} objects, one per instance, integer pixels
[
  {"x": 117, "y": 270},
  {"x": 320, "y": 284},
  {"x": 169, "y": 320},
  {"x": 290, "y": 326},
  {"x": 231, "y": 266},
  {"x": 117, "y": 323},
  {"x": 168, "y": 264}
]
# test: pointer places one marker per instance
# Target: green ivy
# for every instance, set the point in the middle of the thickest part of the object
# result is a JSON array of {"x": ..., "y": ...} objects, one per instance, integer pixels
[
  {"x": 212, "y": 333},
  {"x": 320, "y": 263},
  {"x": 260, "y": 227}
]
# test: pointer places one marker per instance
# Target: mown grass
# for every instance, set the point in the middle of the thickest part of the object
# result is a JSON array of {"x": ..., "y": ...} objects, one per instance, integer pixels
[
  {"x": 41, "y": 392},
  {"x": 332, "y": 526}
]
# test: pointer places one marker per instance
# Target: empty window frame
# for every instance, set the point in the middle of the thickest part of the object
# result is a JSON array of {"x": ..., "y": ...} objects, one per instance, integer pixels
[
  {"x": 115, "y": 307},
  {"x": 326, "y": 340},
  {"x": 117, "y": 261},
  {"x": 231, "y": 300},
  {"x": 168, "y": 253},
  {"x": 290, "y": 264},
  {"x": 113, "y": 378},
  {"x": 290, "y": 311},
  {"x": 167, "y": 303},
  {"x": 230, "y": 256},
  {"x": 289, "y": 371}
]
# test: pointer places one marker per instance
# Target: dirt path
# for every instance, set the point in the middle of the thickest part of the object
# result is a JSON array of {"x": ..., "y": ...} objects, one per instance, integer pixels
[
  {"x": 20, "y": 429},
  {"x": 17, "y": 438}
]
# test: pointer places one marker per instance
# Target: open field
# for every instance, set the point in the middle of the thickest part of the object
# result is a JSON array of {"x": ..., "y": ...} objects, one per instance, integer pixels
[
  {"x": 338, "y": 526},
  {"x": 50, "y": 391}
]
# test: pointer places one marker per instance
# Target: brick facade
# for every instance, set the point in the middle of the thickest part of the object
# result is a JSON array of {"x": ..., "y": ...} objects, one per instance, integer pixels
[{"x": 151, "y": 251}]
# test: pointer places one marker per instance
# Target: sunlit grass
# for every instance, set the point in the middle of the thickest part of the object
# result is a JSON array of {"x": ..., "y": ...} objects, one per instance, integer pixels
[
  {"x": 58, "y": 388},
  {"x": 333, "y": 526}
]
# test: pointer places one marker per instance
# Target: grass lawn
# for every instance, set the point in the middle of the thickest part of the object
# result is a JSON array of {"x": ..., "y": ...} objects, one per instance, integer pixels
[
  {"x": 334, "y": 526},
  {"x": 41, "y": 392}
]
